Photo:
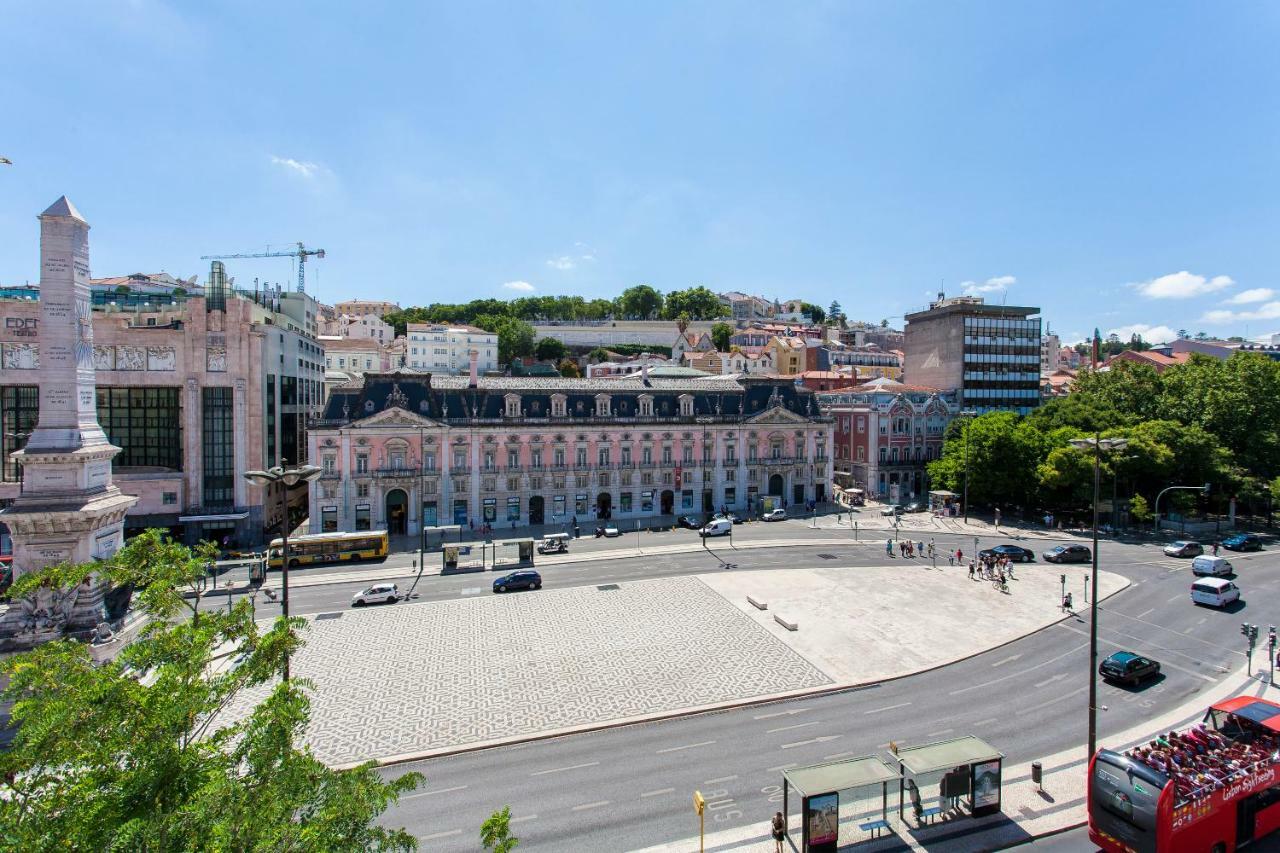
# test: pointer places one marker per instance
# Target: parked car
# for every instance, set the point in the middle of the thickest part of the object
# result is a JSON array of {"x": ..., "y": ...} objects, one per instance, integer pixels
[
  {"x": 1215, "y": 592},
  {"x": 1128, "y": 667},
  {"x": 731, "y": 517},
  {"x": 525, "y": 579},
  {"x": 379, "y": 593},
  {"x": 1242, "y": 542},
  {"x": 1016, "y": 553},
  {"x": 891, "y": 509},
  {"x": 915, "y": 506},
  {"x": 774, "y": 515},
  {"x": 1183, "y": 548},
  {"x": 689, "y": 522},
  {"x": 1068, "y": 554},
  {"x": 718, "y": 527},
  {"x": 608, "y": 530}
]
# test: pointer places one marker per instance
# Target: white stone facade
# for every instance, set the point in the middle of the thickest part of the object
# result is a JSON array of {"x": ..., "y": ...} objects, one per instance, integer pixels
[{"x": 443, "y": 348}]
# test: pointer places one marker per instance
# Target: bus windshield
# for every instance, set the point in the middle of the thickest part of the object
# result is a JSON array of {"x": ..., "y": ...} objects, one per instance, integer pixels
[{"x": 1123, "y": 798}]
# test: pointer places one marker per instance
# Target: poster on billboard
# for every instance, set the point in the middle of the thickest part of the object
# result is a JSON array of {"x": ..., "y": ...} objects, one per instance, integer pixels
[
  {"x": 821, "y": 823},
  {"x": 986, "y": 787}
]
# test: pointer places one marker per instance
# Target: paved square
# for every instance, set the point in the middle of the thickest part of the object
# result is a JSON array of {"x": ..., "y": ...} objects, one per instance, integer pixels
[{"x": 413, "y": 678}]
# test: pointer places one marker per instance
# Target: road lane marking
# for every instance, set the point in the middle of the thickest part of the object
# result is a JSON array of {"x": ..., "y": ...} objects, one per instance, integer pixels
[
  {"x": 780, "y": 714},
  {"x": 434, "y": 835},
  {"x": 594, "y": 805},
  {"x": 941, "y": 733},
  {"x": 985, "y": 684},
  {"x": 721, "y": 779},
  {"x": 789, "y": 728},
  {"x": 1049, "y": 680},
  {"x": 656, "y": 793},
  {"x": 523, "y": 817},
  {"x": 821, "y": 739},
  {"x": 432, "y": 793},
  {"x": 988, "y": 721},
  {"x": 1192, "y": 658},
  {"x": 1177, "y": 597},
  {"x": 780, "y": 768},
  {"x": 686, "y": 746},
  {"x": 1053, "y": 701},
  {"x": 1145, "y": 613},
  {"x": 887, "y": 708},
  {"x": 471, "y": 590},
  {"x": 1007, "y": 660},
  {"x": 833, "y": 756},
  {"x": 563, "y": 769}
]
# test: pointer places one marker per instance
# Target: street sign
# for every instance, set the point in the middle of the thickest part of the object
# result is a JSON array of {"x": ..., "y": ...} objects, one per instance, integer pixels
[{"x": 699, "y": 804}]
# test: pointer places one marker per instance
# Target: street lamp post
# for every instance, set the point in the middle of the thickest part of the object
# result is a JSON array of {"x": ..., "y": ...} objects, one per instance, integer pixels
[
  {"x": 966, "y": 413},
  {"x": 288, "y": 478},
  {"x": 1097, "y": 444}
]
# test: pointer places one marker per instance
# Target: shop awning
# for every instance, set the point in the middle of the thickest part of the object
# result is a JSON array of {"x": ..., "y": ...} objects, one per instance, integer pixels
[
  {"x": 839, "y": 775},
  {"x": 218, "y": 516},
  {"x": 943, "y": 493},
  {"x": 944, "y": 755}
]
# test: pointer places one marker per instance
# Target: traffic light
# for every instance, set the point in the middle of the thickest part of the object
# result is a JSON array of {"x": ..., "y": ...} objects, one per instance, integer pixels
[{"x": 1206, "y": 488}]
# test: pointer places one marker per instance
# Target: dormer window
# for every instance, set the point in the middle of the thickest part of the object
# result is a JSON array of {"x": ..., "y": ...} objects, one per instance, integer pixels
[
  {"x": 602, "y": 405},
  {"x": 686, "y": 405},
  {"x": 646, "y": 405},
  {"x": 511, "y": 403},
  {"x": 558, "y": 405}
]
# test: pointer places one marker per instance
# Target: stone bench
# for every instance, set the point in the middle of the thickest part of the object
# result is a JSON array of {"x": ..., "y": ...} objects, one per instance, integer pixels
[
  {"x": 790, "y": 626},
  {"x": 758, "y": 605}
]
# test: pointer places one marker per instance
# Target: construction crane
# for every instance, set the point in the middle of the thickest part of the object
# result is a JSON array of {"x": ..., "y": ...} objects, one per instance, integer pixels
[{"x": 301, "y": 253}]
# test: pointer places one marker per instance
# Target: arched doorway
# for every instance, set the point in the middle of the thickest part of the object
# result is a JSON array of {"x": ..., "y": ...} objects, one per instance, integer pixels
[
  {"x": 397, "y": 512},
  {"x": 775, "y": 485},
  {"x": 536, "y": 510},
  {"x": 668, "y": 502},
  {"x": 604, "y": 505}
]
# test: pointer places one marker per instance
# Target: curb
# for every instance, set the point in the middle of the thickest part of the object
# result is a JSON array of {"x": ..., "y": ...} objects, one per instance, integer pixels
[{"x": 445, "y": 752}]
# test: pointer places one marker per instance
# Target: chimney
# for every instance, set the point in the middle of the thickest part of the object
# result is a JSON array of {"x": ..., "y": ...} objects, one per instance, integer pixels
[
  {"x": 644, "y": 373},
  {"x": 475, "y": 360}
]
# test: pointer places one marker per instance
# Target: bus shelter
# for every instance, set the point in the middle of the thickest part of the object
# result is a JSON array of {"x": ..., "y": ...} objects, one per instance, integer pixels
[
  {"x": 936, "y": 777},
  {"x": 457, "y": 558},
  {"x": 858, "y": 787},
  {"x": 515, "y": 553}
]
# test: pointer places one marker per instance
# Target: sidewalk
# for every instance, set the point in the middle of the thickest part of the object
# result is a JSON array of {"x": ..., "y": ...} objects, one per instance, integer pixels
[{"x": 1026, "y": 813}]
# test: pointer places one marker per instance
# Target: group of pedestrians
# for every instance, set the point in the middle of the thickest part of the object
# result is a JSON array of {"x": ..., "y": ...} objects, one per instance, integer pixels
[
  {"x": 998, "y": 570},
  {"x": 907, "y": 548}
]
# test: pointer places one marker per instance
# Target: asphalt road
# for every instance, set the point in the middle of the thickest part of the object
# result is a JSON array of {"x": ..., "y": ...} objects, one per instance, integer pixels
[{"x": 630, "y": 787}]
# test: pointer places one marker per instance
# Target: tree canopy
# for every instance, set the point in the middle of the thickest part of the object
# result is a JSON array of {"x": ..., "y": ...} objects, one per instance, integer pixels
[
  {"x": 697, "y": 303},
  {"x": 720, "y": 334},
  {"x": 640, "y": 302}
]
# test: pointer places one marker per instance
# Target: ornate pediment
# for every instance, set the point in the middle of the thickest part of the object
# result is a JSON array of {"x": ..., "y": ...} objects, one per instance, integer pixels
[
  {"x": 395, "y": 416},
  {"x": 777, "y": 415}
]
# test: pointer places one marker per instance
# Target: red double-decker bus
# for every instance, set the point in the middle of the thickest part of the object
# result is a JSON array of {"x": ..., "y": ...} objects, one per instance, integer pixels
[{"x": 1214, "y": 787}]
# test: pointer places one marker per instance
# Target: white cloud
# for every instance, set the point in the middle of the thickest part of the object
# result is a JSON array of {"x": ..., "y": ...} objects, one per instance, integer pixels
[
  {"x": 521, "y": 286},
  {"x": 562, "y": 263},
  {"x": 1246, "y": 297},
  {"x": 301, "y": 167},
  {"x": 1269, "y": 311},
  {"x": 1182, "y": 285},
  {"x": 991, "y": 285},
  {"x": 1150, "y": 334}
]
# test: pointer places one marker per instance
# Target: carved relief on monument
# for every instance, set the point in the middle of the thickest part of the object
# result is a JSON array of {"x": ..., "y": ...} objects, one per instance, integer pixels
[
  {"x": 131, "y": 358},
  {"x": 160, "y": 358},
  {"x": 104, "y": 358},
  {"x": 216, "y": 360},
  {"x": 21, "y": 356}
]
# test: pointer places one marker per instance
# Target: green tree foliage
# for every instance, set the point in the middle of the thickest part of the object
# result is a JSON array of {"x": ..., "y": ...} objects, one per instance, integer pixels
[
  {"x": 1003, "y": 453},
  {"x": 515, "y": 337},
  {"x": 1126, "y": 387},
  {"x": 549, "y": 349},
  {"x": 815, "y": 312},
  {"x": 495, "y": 833},
  {"x": 640, "y": 302},
  {"x": 1139, "y": 509},
  {"x": 569, "y": 369},
  {"x": 141, "y": 754},
  {"x": 834, "y": 312},
  {"x": 720, "y": 334},
  {"x": 697, "y": 302},
  {"x": 598, "y": 355}
]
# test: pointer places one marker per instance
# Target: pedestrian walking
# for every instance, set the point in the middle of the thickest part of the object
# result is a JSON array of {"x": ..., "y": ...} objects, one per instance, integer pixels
[
  {"x": 921, "y": 547},
  {"x": 888, "y": 547},
  {"x": 1215, "y": 549},
  {"x": 959, "y": 556},
  {"x": 779, "y": 832},
  {"x": 971, "y": 570},
  {"x": 951, "y": 559}
]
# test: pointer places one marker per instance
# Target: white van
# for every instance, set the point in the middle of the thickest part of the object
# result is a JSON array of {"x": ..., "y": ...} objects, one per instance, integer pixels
[
  {"x": 1215, "y": 592},
  {"x": 1215, "y": 566},
  {"x": 718, "y": 527}
]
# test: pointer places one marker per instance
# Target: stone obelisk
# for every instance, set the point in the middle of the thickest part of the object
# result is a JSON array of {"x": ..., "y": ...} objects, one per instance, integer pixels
[{"x": 69, "y": 510}]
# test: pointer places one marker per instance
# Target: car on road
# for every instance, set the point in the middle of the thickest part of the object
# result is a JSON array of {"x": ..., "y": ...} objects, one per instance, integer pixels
[
  {"x": 774, "y": 515},
  {"x": 554, "y": 543},
  {"x": 1016, "y": 553},
  {"x": 1215, "y": 592},
  {"x": 1068, "y": 554},
  {"x": 1183, "y": 548},
  {"x": 1242, "y": 542},
  {"x": 525, "y": 579},
  {"x": 915, "y": 506},
  {"x": 718, "y": 527},
  {"x": 732, "y": 518},
  {"x": 689, "y": 522},
  {"x": 379, "y": 593},
  {"x": 1212, "y": 566},
  {"x": 1129, "y": 668},
  {"x": 891, "y": 509}
]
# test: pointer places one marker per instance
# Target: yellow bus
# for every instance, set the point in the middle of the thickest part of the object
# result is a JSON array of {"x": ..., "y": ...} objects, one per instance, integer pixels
[{"x": 330, "y": 548}]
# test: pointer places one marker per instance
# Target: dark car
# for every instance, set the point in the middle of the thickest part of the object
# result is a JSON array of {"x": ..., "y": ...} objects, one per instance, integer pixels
[
  {"x": 1068, "y": 554},
  {"x": 1129, "y": 668},
  {"x": 689, "y": 522},
  {"x": 1242, "y": 542},
  {"x": 1016, "y": 553},
  {"x": 915, "y": 506},
  {"x": 518, "y": 580}
]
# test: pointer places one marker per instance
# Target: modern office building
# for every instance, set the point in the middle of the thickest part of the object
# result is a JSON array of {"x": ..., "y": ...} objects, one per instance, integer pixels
[
  {"x": 417, "y": 449},
  {"x": 988, "y": 353}
]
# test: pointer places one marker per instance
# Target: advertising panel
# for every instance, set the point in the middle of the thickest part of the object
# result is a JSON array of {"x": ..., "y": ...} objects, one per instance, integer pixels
[
  {"x": 986, "y": 787},
  {"x": 821, "y": 823}
]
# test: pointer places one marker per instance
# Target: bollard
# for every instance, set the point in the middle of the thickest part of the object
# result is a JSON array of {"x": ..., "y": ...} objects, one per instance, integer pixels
[{"x": 1037, "y": 775}]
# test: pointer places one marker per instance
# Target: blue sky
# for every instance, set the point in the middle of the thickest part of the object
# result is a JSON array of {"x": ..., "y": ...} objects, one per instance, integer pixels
[{"x": 1114, "y": 163}]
